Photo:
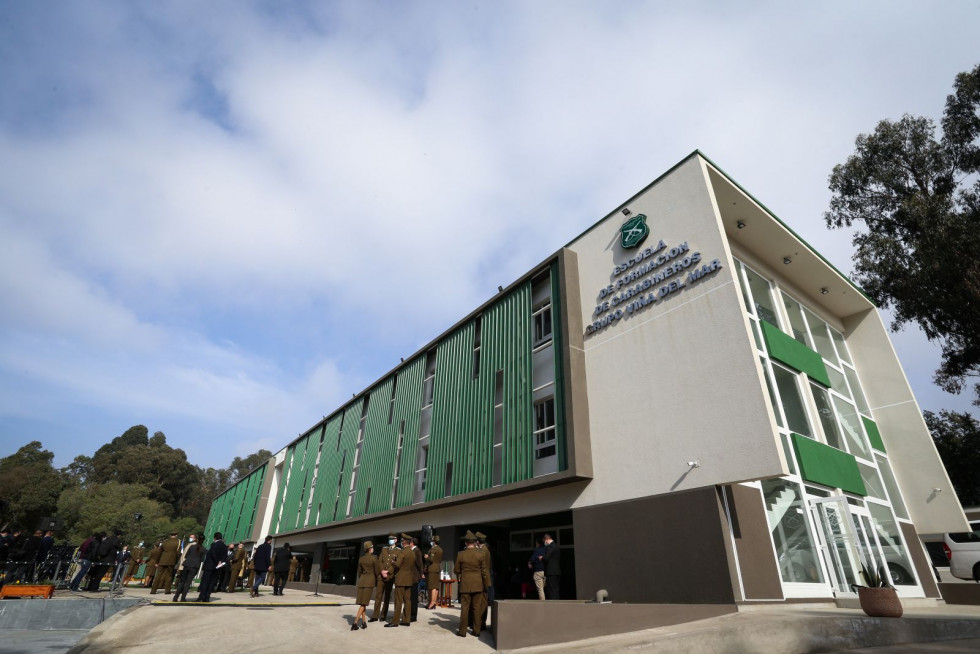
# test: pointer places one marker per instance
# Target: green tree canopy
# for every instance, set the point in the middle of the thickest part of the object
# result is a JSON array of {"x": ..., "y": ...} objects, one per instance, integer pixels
[
  {"x": 919, "y": 199},
  {"x": 957, "y": 438},
  {"x": 29, "y": 487},
  {"x": 240, "y": 467}
]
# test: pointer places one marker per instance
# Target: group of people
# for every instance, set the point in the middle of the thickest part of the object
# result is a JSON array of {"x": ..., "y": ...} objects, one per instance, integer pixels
[
  {"x": 22, "y": 555},
  {"x": 398, "y": 570}
]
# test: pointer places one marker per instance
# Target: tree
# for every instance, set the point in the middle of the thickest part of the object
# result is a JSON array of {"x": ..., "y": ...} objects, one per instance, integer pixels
[
  {"x": 240, "y": 467},
  {"x": 957, "y": 438},
  {"x": 29, "y": 486},
  {"x": 919, "y": 199}
]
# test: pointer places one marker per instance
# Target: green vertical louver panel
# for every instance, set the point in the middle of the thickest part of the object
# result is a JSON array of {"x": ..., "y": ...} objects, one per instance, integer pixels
[
  {"x": 377, "y": 451},
  {"x": 330, "y": 460},
  {"x": 558, "y": 340},
  {"x": 408, "y": 407},
  {"x": 233, "y": 512}
]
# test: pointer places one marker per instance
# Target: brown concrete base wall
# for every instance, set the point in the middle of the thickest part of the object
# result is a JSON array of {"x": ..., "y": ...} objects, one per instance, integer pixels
[
  {"x": 753, "y": 543},
  {"x": 960, "y": 593},
  {"x": 666, "y": 549},
  {"x": 922, "y": 565},
  {"x": 524, "y": 623}
]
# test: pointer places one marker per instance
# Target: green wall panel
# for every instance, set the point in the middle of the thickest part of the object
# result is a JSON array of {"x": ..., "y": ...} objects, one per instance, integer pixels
[
  {"x": 794, "y": 354},
  {"x": 874, "y": 435},
  {"x": 827, "y": 465},
  {"x": 233, "y": 512}
]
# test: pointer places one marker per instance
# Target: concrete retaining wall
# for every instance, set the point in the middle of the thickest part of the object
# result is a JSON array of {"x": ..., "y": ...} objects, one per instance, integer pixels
[{"x": 60, "y": 614}]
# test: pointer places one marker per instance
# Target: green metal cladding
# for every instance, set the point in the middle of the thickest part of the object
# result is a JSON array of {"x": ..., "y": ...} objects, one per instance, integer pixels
[
  {"x": 315, "y": 480},
  {"x": 827, "y": 465},
  {"x": 794, "y": 354},
  {"x": 233, "y": 512},
  {"x": 874, "y": 435}
]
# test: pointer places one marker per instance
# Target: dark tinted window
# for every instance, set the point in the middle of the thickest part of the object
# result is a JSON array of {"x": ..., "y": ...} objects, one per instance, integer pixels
[
  {"x": 937, "y": 554},
  {"x": 965, "y": 537}
]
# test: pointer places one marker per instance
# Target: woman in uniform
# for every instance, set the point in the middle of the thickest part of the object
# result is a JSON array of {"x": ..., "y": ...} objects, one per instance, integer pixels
[
  {"x": 434, "y": 567},
  {"x": 368, "y": 571}
]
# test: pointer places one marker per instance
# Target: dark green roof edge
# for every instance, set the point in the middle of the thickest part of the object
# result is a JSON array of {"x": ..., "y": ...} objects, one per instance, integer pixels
[{"x": 698, "y": 153}]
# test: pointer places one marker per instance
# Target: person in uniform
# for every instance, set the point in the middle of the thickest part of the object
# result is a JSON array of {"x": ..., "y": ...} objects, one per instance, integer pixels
[
  {"x": 471, "y": 571},
  {"x": 136, "y": 558},
  {"x": 169, "y": 553},
  {"x": 293, "y": 564},
  {"x": 433, "y": 567},
  {"x": 405, "y": 565},
  {"x": 237, "y": 561},
  {"x": 481, "y": 544},
  {"x": 368, "y": 571},
  {"x": 386, "y": 580},
  {"x": 151, "y": 565}
]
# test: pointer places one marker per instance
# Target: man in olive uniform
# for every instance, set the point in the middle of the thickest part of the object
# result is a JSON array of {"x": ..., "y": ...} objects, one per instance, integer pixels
[
  {"x": 237, "y": 561},
  {"x": 169, "y": 553},
  {"x": 136, "y": 558},
  {"x": 293, "y": 564},
  {"x": 386, "y": 580},
  {"x": 151, "y": 565},
  {"x": 405, "y": 566},
  {"x": 471, "y": 571},
  {"x": 481, "y": 545}
]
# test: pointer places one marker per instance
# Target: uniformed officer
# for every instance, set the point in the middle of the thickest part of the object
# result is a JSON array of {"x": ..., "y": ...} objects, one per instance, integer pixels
[
  {"x": 169, "y": 553},
  {"x": 434, "y": 565},
  {"x": 471, "y": 571},
  {"x": 405, "y": 569},
  {"x": 237, "y": 563},
  {"x": 386, "y": 580},
  {"x": 481, "y": 544}
]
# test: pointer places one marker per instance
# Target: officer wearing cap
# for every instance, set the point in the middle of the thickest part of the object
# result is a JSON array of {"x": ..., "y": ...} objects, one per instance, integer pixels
[
  {"x": 386, "y": 580},
  {"x": 481, "y": 545},
  {"x": 433, "y": 568},
  {"x": 471, "y": 571},
  {"x": 404, "y": 578},
  {"x": 368, "y": 571}
]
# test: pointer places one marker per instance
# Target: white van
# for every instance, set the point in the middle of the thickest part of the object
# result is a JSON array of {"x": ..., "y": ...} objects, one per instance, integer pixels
[{"x": 963, "y": 551}]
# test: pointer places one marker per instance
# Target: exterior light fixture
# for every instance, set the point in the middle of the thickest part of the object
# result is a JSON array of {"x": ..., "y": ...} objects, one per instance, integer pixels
[
  {"x": 824, "y": 290},
  {"x": 696, "y": 463},
  {"x": 787, "y": 260},
  {"x": 626, "y": 212},
  {"x": 500, "y": 289},
  {"x": 740, "y": 224}
]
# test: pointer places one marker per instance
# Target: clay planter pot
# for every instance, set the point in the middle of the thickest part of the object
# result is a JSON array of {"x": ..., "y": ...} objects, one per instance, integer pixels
[{"x": 880, "y": 602}]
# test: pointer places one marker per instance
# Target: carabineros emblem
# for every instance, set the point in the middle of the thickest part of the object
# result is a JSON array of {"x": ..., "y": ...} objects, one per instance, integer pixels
[{"x": 634, "y": 231}]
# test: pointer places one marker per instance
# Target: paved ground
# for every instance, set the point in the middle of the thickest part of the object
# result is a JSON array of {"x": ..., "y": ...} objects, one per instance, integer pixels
[{"x": 297, "y": 622}]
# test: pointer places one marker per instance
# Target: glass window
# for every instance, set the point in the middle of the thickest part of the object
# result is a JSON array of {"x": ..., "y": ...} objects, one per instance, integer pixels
[
  {"x": 858, "y": 394},
  {"x": 542, "y": 326},
  {"x": 837, "y": 381},
  {"x": 893, "y": 493},
  {"x": 795, "y": 312},
  {"x": 841, "y": 347},
  {"x": 788, "y": 452},
  {"x": 872, "y": 483},
  {"x": 886, "y": 529},
  {"x": 821, "y": 337},
  {"x": 851, "y": 422},
  {"x": 544, "y": 429},
  {"x": 790, "y": 529},
  {"x": 772, "y": 395},
  {"x": 828, "y": 420},
  {"x": 792, "y": 402},
  {"x": 762, "y": 297}
]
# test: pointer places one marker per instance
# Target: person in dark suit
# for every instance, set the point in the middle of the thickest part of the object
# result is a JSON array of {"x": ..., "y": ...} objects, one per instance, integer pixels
[
  {"x": 552, "y": 568},
  {"x": 368, "y": 571},
  {"x": 433, "y": 569},
  {"x": 386, "y": 580},
  {"x": 260, "y": 562},
  {"x": 417, "y": 574},
  {"x": 471, "y": 571},
  {"x": 213, "y": 561},
  {"x": 190, "y": 561},
  {"x": 405, "y": 564},
  {"x": 281, "y": 568}
]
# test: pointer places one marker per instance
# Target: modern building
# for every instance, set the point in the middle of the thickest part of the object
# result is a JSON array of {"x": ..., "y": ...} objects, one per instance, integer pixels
[{"x": 687, "y": 396}]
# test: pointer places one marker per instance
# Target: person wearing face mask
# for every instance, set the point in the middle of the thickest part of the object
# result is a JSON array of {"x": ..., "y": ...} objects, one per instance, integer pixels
[
  {"x": 190, "y": 561},
  {"x": 386, "y": 580},
  {"x": 433, "y": 562}
]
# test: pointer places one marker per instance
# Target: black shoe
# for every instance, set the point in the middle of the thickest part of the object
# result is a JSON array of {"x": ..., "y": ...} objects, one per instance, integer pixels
[
  {"x": 174, "y": 599},
  {"x": 373, "y": 620},
  {"x": 461, "y": 635},
  {"x": 388, "y": 624},
  {"x": 353, "y": 627},
  {"x": 363, "y": 625}
]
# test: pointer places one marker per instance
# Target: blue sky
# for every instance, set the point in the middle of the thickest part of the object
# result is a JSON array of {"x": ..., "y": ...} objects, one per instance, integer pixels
[{"x": 223, "y": 219}]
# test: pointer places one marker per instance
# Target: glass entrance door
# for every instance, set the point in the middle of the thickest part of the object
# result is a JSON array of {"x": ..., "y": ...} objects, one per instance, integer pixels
[{"x": 838, "y": 542}]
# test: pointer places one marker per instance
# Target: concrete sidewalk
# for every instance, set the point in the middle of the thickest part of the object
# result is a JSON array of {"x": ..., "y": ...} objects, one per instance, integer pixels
[{"x": 297, "y": 622}]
